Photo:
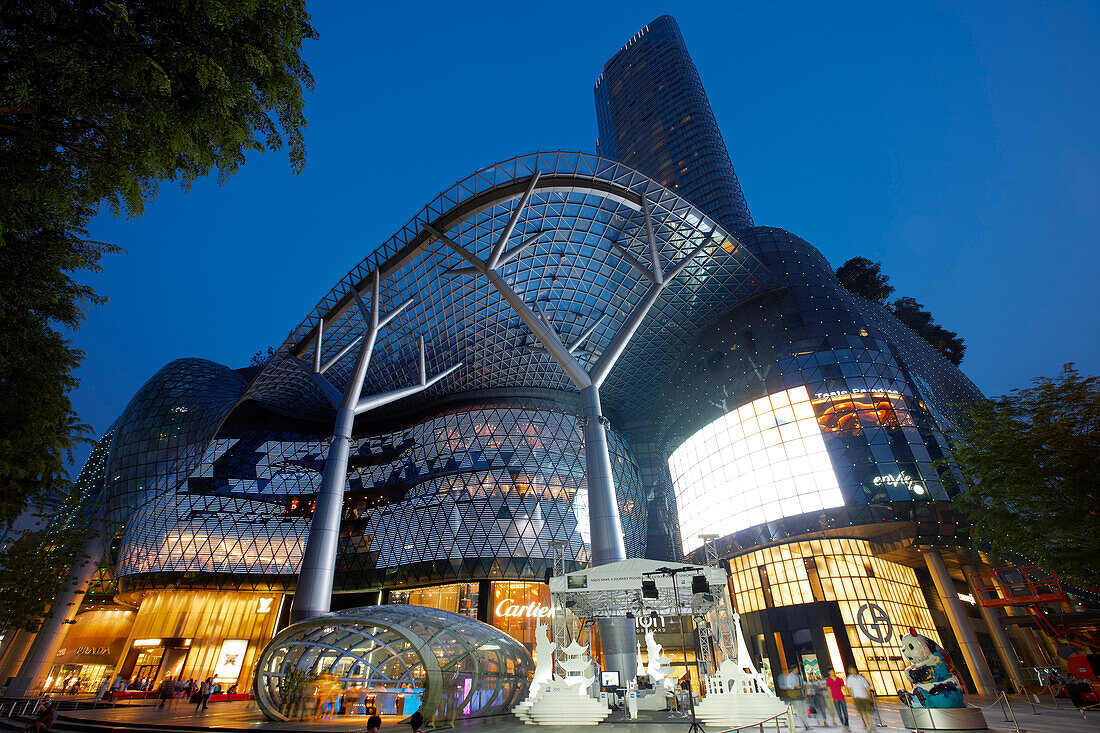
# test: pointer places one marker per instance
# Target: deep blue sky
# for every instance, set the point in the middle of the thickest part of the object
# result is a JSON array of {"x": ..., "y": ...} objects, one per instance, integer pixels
[{"x": 959, "y": 145}]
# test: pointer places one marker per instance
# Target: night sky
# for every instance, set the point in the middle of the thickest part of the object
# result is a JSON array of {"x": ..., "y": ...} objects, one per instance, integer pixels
[{"x": 958, "y": 145}]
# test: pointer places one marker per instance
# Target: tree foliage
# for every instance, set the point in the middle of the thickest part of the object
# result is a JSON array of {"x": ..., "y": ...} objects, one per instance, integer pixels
[
  {"x": 913, "y": 315},
  {"x": 1031, "y": 460},
  {"x": 100, "y": 102},
  {"x": 35, "y": 567},
  {"x": 861, "y": 276},
  {"x": 865, "y": 278}
]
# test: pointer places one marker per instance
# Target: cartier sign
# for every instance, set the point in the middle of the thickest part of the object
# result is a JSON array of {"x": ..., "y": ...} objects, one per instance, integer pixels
[{"x": 508, "y": 608}]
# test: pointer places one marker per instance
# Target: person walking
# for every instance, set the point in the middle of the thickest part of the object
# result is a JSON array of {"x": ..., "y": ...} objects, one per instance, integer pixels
[
  {"x": 373, "y": 724},
  {"x": 862, "y": 692},
  {"x": 206, "y": 689},
  {"x": 167, "y": 690},
  {"x": 416, "y": 722},
  {"x": 815, "y": 694},
  {"x": 836, "y": 689},
  {"x": 790, "y": 684}
]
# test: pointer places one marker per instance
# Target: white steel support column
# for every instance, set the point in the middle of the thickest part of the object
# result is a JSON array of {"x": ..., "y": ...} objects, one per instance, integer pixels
[
  {"x": 617, "y": 634},
  {"x": 313, "y": 592},
  {"x": 960, "y": 624},
  {"x": 603, "y": 508},
  {"x": 40, "y": 654},
  {"x": 1005, "y": 651}
]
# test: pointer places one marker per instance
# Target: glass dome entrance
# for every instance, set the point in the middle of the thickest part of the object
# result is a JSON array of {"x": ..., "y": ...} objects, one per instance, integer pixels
[{"x": 393, "y": 660}]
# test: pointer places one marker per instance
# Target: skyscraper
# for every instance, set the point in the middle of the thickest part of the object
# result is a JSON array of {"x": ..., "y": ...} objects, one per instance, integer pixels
[{"x": 654, "y": 116}]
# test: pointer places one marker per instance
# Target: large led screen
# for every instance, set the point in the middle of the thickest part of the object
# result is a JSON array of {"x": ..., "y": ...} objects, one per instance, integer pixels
[{"x": 759, "y": 463}]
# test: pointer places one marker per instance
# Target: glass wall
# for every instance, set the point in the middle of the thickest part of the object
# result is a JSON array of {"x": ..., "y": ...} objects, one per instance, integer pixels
[
  {"x": 517, "y": 608},
  {"x": 391, "y": 660},
  {"x": 455, "y": 597},
  {"x": 759, "y": 463},
  {"x": 878, "y": 600}
]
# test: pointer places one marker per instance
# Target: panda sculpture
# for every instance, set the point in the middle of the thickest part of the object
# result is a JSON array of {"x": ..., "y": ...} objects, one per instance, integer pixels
[{"x": 935, "y": 684}]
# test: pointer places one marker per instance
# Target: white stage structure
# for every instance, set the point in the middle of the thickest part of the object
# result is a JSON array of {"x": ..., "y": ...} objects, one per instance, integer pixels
[{"x": 735, "y": 693}]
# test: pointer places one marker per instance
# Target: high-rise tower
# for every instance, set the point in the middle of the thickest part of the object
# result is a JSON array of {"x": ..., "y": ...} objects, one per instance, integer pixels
[{"x": 654, "y": 115}]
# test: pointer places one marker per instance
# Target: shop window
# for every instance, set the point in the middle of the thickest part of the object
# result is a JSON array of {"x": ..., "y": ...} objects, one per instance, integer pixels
[{"x": 516, "y": 609}]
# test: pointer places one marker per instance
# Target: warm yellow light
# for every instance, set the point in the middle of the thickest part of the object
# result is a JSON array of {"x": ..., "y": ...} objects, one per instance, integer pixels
[{"x": 834, "y": 652}]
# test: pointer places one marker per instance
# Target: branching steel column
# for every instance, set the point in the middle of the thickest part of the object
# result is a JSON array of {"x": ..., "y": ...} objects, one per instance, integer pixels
[
  {"x": 604, "y": 521},
  {"x": 313, "y": 593}
]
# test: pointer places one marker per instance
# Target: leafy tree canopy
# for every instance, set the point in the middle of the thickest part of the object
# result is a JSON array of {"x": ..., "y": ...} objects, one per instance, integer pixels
[
  {"x": 35, "y": 567},
  {"x": 99, "y": 103},
  {"x": 865, "y": 278},
  {"x": 913, "y": 315},
  {"x": 861, "y": 276},
  {"x": 1031, "y": 459}
]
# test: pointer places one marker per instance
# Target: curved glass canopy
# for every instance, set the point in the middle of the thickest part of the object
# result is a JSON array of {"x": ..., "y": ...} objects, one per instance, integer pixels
[
  {"x": 395, "y": 659},
  {"x": 568, "y": 253}
]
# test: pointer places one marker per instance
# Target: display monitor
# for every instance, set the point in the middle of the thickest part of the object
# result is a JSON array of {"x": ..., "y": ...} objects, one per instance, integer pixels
[
  {"x": 758, "y": 463},
  {"x": 609, "y": 679}
]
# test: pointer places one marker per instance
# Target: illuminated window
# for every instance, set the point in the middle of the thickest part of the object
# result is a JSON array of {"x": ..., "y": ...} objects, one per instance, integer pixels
[
  {"x": 846, "y": 572},
  {"x": 517, "y": 608},
  {"x": 856, "y": 411},
  {"x": 759, "y": 463}
]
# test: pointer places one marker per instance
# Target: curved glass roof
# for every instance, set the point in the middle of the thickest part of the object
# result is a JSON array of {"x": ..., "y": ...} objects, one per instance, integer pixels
[
  {"x": 452, "y": 665},
  {"x": 579, "y": 207}
]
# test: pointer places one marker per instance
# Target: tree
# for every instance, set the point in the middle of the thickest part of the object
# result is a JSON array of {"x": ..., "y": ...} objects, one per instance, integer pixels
[
  {"x": 913, "y": 315},
  {"x": 35, "y": 566},
  {"x": 863, "y": 277},
  {"x": 1030, "y": 460},
  {"x": 261, "y": 358},
  {"x": 100, "y": 102}
]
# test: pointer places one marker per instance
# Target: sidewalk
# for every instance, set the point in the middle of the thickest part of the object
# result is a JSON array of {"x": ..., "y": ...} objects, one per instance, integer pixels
[{"x": 245, "y": 716}]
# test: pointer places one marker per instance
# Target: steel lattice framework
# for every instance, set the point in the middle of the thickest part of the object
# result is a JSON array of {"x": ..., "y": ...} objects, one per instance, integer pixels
[{"x": 582, "y": 209}]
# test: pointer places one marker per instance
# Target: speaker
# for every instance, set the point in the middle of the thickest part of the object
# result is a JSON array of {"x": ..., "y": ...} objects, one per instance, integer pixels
[
  {"x": 649, "y": 589},
  {"x": 699, "y": 584}
]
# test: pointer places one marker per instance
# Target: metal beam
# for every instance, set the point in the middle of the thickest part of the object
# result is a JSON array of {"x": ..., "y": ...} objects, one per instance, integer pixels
[
  {"x": 498, "y": 248},
  {"x": 317, "y": 351},
  {"x": 611, "y": 354},
  {"x": 313, "y": 593}
]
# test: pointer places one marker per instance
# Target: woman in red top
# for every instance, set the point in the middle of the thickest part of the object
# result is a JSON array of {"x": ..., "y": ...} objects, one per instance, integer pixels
[{"x": 836, "y": 689}]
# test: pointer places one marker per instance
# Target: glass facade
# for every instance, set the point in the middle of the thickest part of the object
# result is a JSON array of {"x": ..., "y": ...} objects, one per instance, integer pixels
[
  {"x": 759, "y": 463},
  {"x": 877, "y": 601},
  {"x": 654, "y": 115},
  {"x": 787, "y": 407},
  {"x": 474, "y": 492},
  {"x": 880, "y": 402},
  {"x": 393, "y": 660}
]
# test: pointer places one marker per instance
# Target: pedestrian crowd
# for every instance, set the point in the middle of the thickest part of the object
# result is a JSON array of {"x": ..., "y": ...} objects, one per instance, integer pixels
[{"x": 810, "y": 697}]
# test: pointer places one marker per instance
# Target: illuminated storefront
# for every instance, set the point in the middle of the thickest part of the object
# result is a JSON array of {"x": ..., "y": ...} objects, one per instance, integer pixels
[
  {"x": 514, "y": 607},
  {"x": 91, "y": 649},
  {"x": 858, "y": 605},
  {"x": 199, "y": 634}
]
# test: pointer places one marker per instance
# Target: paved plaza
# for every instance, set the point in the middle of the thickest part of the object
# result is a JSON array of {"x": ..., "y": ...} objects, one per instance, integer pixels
[{"x": 245, "y": 716}]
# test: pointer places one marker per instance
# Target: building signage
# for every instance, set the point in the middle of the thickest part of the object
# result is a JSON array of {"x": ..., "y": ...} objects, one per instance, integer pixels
[
  {"x": 507, "y": 608},
  {"x": 230, "y": 660},
  {"x": 902, "y": 479},
  {"x": 852, "y": 392},
  {"x": 967, "y": 598},
  {"x": 93, "y": 651},
  {"x": 874, "y": 623}
]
